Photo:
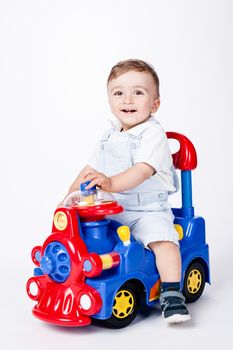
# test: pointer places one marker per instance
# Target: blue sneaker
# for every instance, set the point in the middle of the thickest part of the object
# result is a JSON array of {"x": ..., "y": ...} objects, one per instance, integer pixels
[{"x": 173, "y": 307}]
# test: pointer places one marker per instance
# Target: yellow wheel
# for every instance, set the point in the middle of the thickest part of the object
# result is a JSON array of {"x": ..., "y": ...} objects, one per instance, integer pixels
[
  {"x": 124, "y": 303},
  {"x": 125, "y": 307},
  {"x": 194, "y": 282}
]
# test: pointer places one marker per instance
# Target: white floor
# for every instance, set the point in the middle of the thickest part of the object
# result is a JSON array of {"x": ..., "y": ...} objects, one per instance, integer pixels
[{"x": 211, "y": 323}]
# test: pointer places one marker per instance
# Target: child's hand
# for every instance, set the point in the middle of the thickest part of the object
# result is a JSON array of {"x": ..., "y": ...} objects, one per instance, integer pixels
[{"x": 99, "y": 180}]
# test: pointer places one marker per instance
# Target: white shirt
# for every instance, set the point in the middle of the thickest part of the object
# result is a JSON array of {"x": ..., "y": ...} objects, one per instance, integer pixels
[{"x": 144, "y": 143}]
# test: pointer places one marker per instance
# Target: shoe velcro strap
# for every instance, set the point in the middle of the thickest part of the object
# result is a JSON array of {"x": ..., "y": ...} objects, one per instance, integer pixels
[{"x": 171, "y": 293}]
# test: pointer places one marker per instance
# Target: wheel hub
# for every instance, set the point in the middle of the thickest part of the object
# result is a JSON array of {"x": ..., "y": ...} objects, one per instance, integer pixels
[
  {"x": 194, "y": 281},
  {"x": 123, "y": 304}
]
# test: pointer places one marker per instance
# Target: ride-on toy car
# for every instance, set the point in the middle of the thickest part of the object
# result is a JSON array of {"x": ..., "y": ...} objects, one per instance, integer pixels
[{"x": 90, "y": 267}]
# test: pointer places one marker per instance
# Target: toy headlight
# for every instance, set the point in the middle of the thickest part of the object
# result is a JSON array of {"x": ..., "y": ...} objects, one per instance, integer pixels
[{"x": 60, "y": 221}]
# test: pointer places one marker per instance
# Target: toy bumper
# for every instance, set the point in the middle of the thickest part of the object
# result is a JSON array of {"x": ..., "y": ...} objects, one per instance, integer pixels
[
  {"x": 63, "y": 305},
  {"x": 75, "y": 321}
]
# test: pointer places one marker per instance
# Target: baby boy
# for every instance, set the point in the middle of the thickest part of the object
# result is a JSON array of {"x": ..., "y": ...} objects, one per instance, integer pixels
[{"x": 133, "y": 161}]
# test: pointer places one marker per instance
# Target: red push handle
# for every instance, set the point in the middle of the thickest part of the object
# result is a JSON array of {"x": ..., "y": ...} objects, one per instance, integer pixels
[{"x": 186, "y": 157}]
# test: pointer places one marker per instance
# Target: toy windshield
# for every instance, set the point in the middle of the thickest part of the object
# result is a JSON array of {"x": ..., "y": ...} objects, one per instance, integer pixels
[{"x": 90, "y": 197}]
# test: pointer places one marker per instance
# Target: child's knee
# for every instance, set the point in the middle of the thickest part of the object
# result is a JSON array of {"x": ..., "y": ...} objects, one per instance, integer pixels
[{"x": 163, "y": 245}]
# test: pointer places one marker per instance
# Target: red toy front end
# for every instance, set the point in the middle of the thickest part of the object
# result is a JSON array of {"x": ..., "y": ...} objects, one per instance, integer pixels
[{"x": 62, "y": 296}]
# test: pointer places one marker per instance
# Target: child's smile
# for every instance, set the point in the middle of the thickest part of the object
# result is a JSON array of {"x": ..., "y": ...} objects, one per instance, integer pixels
[{"x": 129, "y": 111}]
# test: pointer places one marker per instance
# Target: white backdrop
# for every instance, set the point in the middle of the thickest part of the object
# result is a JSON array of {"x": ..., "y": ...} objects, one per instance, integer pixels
[{"x": 55, "y": 57}]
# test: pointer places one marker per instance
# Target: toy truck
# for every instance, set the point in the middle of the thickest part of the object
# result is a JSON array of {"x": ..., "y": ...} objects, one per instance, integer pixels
[{"x": 90, "y": 267}]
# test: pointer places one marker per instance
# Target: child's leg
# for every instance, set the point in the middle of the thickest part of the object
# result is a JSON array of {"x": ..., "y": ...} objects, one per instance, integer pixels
[{"x": 168, "y": 262}]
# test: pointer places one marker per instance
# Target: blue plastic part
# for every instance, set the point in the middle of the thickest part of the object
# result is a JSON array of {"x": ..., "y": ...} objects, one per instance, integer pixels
[
  {"x": 98, "y": 236},
  {"x": 37, "y": 256},
  {"x": 138, "y": 264},
  {"x": 38, "y": 272},
  {"x": 89, "y": 191},
  {"x": 193, "y": 246},
  {"x": 79, "y": 226},
  {"x": 56, "y": 262},
  {"x": 87, "y": 265},
  {"x": 186, "y": 185}
]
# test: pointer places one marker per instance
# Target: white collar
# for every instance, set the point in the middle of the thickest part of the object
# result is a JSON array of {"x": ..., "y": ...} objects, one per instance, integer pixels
[{"x": 136, "y": 130}]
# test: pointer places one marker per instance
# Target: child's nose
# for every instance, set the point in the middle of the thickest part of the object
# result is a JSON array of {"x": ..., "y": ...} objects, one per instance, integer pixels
[{"x": 128, "y": 98}]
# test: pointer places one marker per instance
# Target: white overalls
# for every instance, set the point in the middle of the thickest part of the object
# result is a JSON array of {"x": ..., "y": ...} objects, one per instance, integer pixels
[{"x": 147, "y": 212}]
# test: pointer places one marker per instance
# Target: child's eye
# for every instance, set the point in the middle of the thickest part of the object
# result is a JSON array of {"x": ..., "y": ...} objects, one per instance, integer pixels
[
  {"x": 117, "y": 93},
  {"x": 138, "y": 92}
]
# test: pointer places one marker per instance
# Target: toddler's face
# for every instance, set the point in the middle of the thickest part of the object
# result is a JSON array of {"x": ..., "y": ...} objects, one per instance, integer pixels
[{"x": 132, "y": 98}]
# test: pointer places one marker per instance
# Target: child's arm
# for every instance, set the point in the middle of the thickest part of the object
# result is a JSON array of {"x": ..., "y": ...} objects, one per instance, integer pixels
[
  {"x": 126, "y": 180},
  {"x": 79, "y": 179}
]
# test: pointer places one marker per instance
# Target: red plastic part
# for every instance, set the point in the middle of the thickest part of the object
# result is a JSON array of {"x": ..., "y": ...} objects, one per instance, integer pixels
[
  {"x": 95, "y": 263},
  {"x": 36, "y": 250},
  {"x": 98, "y": 212},
  {"x": 186, "y": 157},
  {"x": 94, "y": 297},
  {"x": 72, "y": 302},
  {"x": 59, "y": 303},
  {"x": 115, "y": 259}
]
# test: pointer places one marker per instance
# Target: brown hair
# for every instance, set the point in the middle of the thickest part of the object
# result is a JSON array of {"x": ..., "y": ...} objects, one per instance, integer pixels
[{"x": 136, "y": 65}]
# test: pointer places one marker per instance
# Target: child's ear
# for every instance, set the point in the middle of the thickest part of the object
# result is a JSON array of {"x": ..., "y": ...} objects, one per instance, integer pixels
[{"x": 156, "y": 105}]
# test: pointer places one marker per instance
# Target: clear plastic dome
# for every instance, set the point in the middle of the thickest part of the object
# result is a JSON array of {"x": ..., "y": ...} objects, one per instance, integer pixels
[{"x": 88, "y": 198}]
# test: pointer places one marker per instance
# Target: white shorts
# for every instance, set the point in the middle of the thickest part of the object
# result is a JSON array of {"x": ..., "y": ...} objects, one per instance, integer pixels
[{"x": 149, "y": 226}]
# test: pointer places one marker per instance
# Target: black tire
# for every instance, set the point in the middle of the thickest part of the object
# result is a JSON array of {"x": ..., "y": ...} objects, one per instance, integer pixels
[
  {"x": 194, "y": 282},
  {"x": 122, "y": 316}
]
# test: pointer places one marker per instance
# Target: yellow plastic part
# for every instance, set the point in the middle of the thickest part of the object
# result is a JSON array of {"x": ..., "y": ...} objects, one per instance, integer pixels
[
  {"x": 90, "y": 200},
  {"x": 60, "y": 221},
  {"x": 124, "y": 233},
  {"x": 180, "y": 231},
  {"x": 123, "y": 304},
  {"x": 194, "y": 281},
  {"x": 106, "y": 261}
]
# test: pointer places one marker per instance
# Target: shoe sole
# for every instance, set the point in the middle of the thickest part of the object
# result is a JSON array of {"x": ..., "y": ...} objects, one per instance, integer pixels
[{"x": 177, "y": 318}]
